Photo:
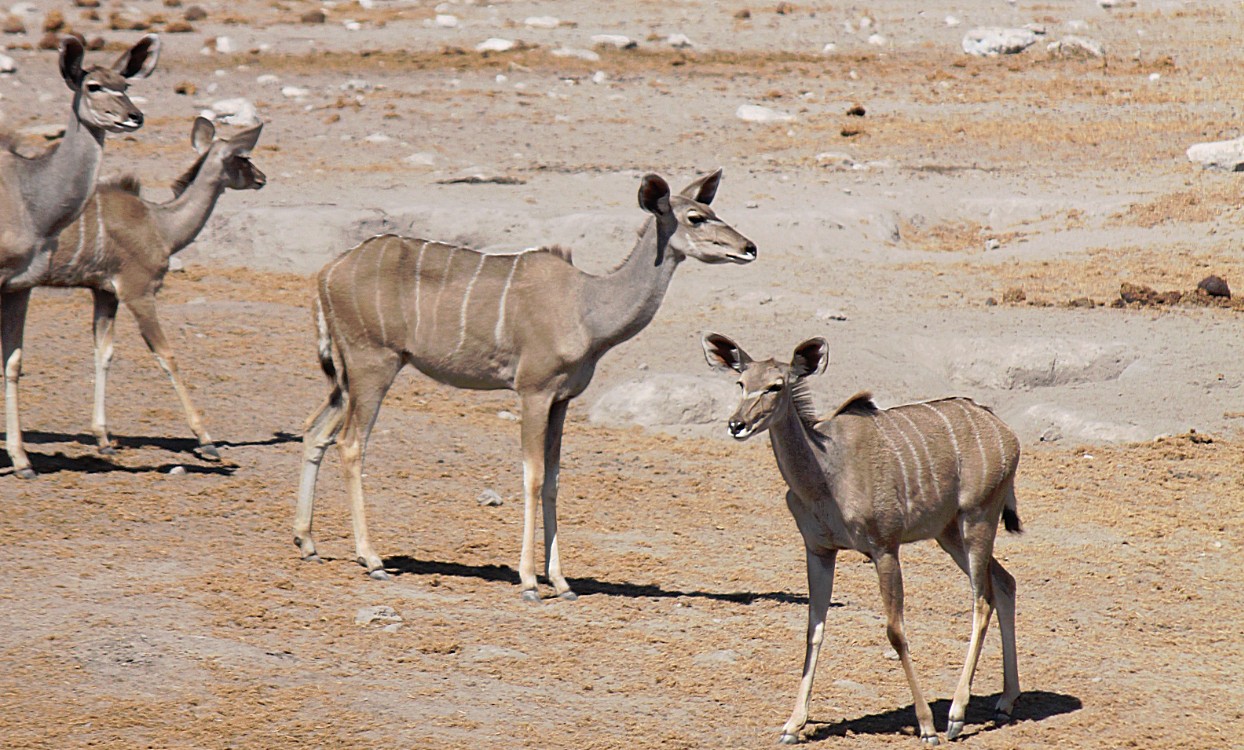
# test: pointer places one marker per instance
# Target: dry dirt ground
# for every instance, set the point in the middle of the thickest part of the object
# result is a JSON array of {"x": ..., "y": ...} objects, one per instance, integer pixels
[{"x": 140, "y": 608}]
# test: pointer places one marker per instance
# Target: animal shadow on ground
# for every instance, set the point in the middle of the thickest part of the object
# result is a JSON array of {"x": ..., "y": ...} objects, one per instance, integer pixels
[
  {"x": 403, "y": 564},
  {"x": 95, "y": 464},
  {"x": 1033, "y": 705}
]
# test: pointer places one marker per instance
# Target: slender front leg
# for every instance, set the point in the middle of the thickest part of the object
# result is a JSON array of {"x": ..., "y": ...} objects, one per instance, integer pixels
[
  {"x": 12, "y": 323},
  {"x": 321, "y": 430},
  {"x": 144, "y": 310},
  {"x": 1004, "y": 600},
  {"x": 548, "y": 499},
  {"x": 536, "y": 411},
  {"x": 979, "y": 545},
  {"x": 820, "y": 588},
  {"x": 105, "y": 316},
  {"x": 890, "y": 576}
]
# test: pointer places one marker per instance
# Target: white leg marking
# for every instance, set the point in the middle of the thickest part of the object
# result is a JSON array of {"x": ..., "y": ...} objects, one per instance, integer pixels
[
  {"x": 466, "y": 300},
  {"x": 902, "y": 465},
  {"x": 924, "y": 444},
  {"x": 496, "y": 333}
]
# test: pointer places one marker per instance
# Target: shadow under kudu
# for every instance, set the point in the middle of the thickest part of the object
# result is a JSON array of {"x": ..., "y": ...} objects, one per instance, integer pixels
[
  {"x": 1033, "y": 705},
  {"x": 96, "y": 464},
  {"x": 404, "y": 564}
]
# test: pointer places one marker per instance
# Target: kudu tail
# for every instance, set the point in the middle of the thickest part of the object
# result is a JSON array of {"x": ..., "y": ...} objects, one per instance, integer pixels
[
  {"x": 336, "y": 379},
  {"x": 1010, "y": 516}
]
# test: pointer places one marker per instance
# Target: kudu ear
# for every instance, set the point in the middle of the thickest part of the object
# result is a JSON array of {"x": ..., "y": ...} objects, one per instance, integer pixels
[
  {"x": 140, "y": 60},
  {"x": 704, "y": 189},
  {"x": 71, "y": 54},
  {"x": 243, "y": 143},
  {"x": 723, "y": 354},
  {"x": 810, "y": 358},
  {"x": 202, "y": 134},
  {"x": 654, "y": 195}
]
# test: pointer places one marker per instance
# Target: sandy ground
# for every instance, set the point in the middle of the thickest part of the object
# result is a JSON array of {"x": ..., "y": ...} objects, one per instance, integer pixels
[{"x": 143, "y": 609}]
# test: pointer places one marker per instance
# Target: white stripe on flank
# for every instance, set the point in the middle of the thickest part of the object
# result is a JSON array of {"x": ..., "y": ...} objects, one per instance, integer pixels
[
  {"x": 418, "y": 278},
  {"x": 924, "y": 444},
  {"x": 979, "y": 445},
  {"x": 328, "y": 277},
  {"x": 998, "y": 437},
  {"x": 73, "y": 262},
  {"x": 466, "y": 300},
  {"x": 954, "y": 442},
  {"x": 384, "y": 247},
  {"x": 902, "y": 465},
  {"x": 496, "y": 333},
  {"x": 436, "y": 306},
  {"x": 99, "y": 232},
  {"x": 354, "y": 289},
  {"x": 915, "y": 456}
]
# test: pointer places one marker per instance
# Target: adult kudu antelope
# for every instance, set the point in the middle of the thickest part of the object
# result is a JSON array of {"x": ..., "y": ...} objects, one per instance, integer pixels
[
  {"x": 40, "y": 196},
  {"x": 529, "y": 322},
  {"x": 872, "y": 479},
  {"x": 120, "y": 247}
]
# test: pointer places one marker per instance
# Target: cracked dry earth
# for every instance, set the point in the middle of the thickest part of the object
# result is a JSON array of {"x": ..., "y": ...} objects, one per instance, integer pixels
[{"x": 140, "y": 608}]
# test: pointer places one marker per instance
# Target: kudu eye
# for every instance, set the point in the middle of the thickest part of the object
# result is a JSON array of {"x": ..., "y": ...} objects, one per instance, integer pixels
[
  {"x": 94, "y": 88},
  {"x": 696, "y": 219},
  {"x": 774, "y": 388}
]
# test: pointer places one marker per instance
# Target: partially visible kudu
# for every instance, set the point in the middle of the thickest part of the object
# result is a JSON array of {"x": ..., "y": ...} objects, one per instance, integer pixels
[
  {"x": 42, "y": 195},
  {"x": 871, "y": 480},
  {"x": 530, "y": 322},
  {"x": 120, "y": 246}
]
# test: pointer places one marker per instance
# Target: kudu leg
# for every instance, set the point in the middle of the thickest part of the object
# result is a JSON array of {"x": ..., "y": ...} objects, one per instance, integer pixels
[
  {"x": 104, "y": 318},
  {"x": 548, "y": 499},
  {"x": 144, "y": 310},
  {"x": 370, "y": 377},
  {"x": 13, "y": 307},
  {"x": 537, "y": 410},
  {"x": 890, "y": 576},
  {"x": 321, "y": 431},
  {"x": 820, "y": 589}
]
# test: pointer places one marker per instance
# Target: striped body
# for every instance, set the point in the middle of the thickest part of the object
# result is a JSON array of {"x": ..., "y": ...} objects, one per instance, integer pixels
[
  {"x": 94, "y": 252},
  {"x": 458, "y": 315}
]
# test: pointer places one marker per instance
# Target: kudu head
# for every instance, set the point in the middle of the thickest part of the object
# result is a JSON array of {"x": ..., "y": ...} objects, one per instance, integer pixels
[
  {"x": 687, "y": 224},
  {"x": 100, "y": 101},
  {"x": 765, "y": 386},
  {"x": 228, "y": 157}
]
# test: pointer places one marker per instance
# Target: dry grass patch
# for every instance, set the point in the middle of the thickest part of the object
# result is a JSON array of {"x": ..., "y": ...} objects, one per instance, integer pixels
[{"x": 1206, "y": 201}]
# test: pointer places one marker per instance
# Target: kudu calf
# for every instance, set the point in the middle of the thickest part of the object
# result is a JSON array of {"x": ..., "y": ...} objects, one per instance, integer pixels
[
  {"x": 42, "y": 195},
  {"x": 529, "y": 322},
  {"x": 872, "y": 479},
  {"x": 120, "y": 246}
]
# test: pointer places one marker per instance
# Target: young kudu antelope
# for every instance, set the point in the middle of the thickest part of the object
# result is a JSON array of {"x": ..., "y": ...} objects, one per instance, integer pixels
[
  {"x": 40, "y": 196},
  {"x": 529, "y": 322},
  {"x": 120, "y": 247},
  {"x": 872, "y": 479}
]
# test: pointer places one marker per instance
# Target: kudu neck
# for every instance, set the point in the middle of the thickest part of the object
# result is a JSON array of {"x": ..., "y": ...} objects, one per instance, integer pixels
[
  {"x": 620, "y": 304},
  {"x": 181, "y": 219},
  {"x": 58, "y": 183}
]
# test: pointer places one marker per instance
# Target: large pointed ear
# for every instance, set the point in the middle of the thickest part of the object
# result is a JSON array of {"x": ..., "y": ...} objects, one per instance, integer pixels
[
  {"x": 810, "y": 358},
  {"x": 654, "y": 195},
  {"x": 243, "y": 143},
  {"x": 202, "y": 134},
  {"x": 704, "y": 189},
  {"x": 722, "y": 353},
  {"x": 138, "y": 61},
  {"x": 71, "y": 54}
]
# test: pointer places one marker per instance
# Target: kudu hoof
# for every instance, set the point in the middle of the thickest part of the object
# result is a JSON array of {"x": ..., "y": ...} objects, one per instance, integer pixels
[
  {"x": 930, "y": 740},
  {"x": 568, "y": 596},
  {"x": 209, "y": 452},
  {"x": 108, "y": 450},
  {"x": 378, "y": 574},
  {"x": 25, "y": 474},
  {"x": 531, "y": 595},
  {"x": 313, "y": 557},
  {"x": 788, "y": 739},
  {"x": 1001, "y": 717},
  {"x": 953, "y": 729}
]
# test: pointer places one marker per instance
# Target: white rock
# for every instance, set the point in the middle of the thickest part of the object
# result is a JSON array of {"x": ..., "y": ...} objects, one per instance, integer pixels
[
  {"x": 878, "y": 40},
  {"x": 378, "y": 138},
  {"x": 176, "y": 265},
  {"x": 1076, "y": 47},
  {"x": 351, "y": 25},
  {"x": 378, "y": 613},
  {"x": 446, "y": 21},
  {"x": 1224, "y": 155},
  {"x": 7, "y": 64},
  {"x": 581, "y": 54},
  {"x": 991, "y": 41},
  {"x": 495, "y": 44},
  {"x": 508, "y": 416},
  {"x": 177, "y": 471},
  {"x": 367, "y": 4},
  {"x": 614, "y": 40},
  {"x": 236, "y": 112},
  {"x": 357, "y": 84},
  {"x": 24, "y": 9},
  {"x": 224, "y": 45},
  {"x": 489, "y": 498},
  {"x": 420, "y": 159},
  {"x": 542, "y": 22},
  {"x": 267, "y": 78},
  {"x": 951, "y": 21},
  {"x": 756, "y": 113},
  {"x": 665, "y": 399},
  {"x": 1025, "y": 364},
  {"x": 1155, "y": 77},
  {"x": 835, "y": 160},
  {"x": 600, "y": 76},
  {"x": 294, "y": 92},
  {"x": 679, "y": 41},
  {"x": 829, "y": 47}
]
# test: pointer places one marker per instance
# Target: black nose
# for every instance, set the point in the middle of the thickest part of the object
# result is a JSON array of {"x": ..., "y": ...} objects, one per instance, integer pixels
[
  {"x": 750, "y": 249},
  {"x": 137, "y": 117},
  {"x": 735, "y": 427}
]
